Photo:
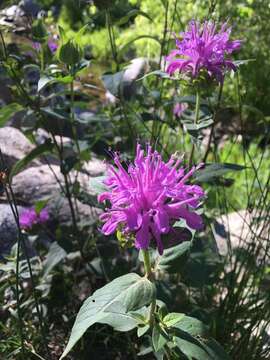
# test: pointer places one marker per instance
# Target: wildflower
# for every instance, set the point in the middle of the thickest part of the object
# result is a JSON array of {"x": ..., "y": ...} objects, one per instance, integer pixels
[
  {"x": 203, "y": 48},
  {"x": 28, "y": 218},
  {"x": 149, "y": 197},
  {"x": 179, "y": 108},
  {"x": 52, "y": 45},
  {"x": 36, "y": 45}
]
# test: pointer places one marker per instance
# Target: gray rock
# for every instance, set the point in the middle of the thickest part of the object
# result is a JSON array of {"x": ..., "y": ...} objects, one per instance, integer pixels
[
  {"x": 15, "y": 146},
  {"x": 240, "y": 229},
  {"x": 8, "y": 229},
  {"x": 43, "y": 183}
]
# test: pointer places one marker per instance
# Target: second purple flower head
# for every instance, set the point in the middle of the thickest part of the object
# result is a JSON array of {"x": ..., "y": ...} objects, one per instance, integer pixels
[{"x": 203, "y": 47}]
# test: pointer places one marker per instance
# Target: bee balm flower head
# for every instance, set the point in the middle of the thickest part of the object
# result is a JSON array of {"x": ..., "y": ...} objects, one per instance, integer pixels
[
  {"x": 28, "y": 218},
  {"x": 203, "y": 48},
  {"x": 149, "y": 197}
]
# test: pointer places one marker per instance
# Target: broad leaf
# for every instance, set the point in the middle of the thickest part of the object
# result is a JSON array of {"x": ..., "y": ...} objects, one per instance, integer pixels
[
  {"x": 54, "y": 256},
  {"x": 174, "y": 258},
  {"x": 172, "y": 319},
  {"x": 198, "y": 348},
  {"x": 159, "y": 338},
  {"x": 7, "y": 111},
  {"x": 191, "y": 346},
  {"x": 191, "y": 325},
  {"x": 131, "y": 291},
  {"x": 113, "y": 82}
]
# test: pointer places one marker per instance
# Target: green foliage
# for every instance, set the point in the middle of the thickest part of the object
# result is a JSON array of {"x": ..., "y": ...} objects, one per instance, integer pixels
[
  {"x": 7, "y": 111},
  {"x": 208, "y": 295},
  {"x": 112, "y": 304}
]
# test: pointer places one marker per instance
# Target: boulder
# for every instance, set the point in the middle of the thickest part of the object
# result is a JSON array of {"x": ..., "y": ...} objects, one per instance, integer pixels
[
  {"x": 15, "y": 146},
  {"x": 44, "y": 182},
  {"x": 8, "y": 229},
  {"x": 240, "y": 229}
]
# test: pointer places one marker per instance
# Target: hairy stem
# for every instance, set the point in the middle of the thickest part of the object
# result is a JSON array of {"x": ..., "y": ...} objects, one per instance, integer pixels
[
  {"x": 149, "y": 275},
  {"x": 196, "y": 119}
]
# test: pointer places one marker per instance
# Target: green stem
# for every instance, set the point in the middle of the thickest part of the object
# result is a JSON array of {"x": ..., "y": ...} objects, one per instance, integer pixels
[
  {"x": 72, "y": 114},
  {"x": 112, "y": 39},
  {"x": 149, "y": 275},
  {"x": 197, "y": 115},
  {"x": 42, "y": 57},
  {"x": 147, "y": 263}
]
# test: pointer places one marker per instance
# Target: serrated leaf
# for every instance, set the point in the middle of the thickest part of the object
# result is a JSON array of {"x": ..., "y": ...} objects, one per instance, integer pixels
[
  {"x": 175, "y": 257},
  {"x": 36, "y": 152},
  {"x": 172, "y": 319},
  {"x": 131, "y": 290},
  {"x": 7, "y": 111}
]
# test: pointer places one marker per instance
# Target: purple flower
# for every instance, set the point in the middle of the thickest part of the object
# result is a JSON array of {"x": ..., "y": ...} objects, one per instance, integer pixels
[
  {"x": 36, "y": 45},
  {"x": 43, "y": 216},
  {"x": 148, "y": 197},
  {"x": 53, "y": 46},
  {"x": 203, "y": 48},
  {"x": 179, "y": 108},
  {"x": 28, "y": 218}
]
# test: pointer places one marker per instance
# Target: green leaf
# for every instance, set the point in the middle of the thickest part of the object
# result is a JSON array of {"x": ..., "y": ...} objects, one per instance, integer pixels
[
  {"x": 113, "y": 82},
  {"x": 192, "y": 326},
  {"x": 159, "y": 73},
  {"x": 191, "y": 346},
  {"x": 198, "y": 348},
  {"x": 119, "y": 318},
  {"x": 131, "y": 291},
  {"x": 142, "y": 330},
  {"x": 159, "y": 338},
  {"x": 39, "y": 205},
  {"x": 215, "y": 170},
  {"x": 54, "y": 256},
  {"x": 172, "y": 319},
  {"x": 7, "y": 111},
  {"x": 62, "y": 34},
  {"x": 57, "y": 114},
  {"x": 175, "y": 257},
  {"x": 49, "y": 80},
  {"x": 39, "y": 150},
  {"x": 132, "y": 13},
  {"x": 97, "y": 184}
]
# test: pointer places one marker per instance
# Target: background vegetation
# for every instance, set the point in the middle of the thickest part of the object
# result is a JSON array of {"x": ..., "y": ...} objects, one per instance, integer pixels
[{"x": 100, "y": 105}]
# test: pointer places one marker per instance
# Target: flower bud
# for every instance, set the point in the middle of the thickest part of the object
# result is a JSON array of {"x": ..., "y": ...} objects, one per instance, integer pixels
[
  {"x": 70, "y": 53},
  {"x": 39, "y": 31}
]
